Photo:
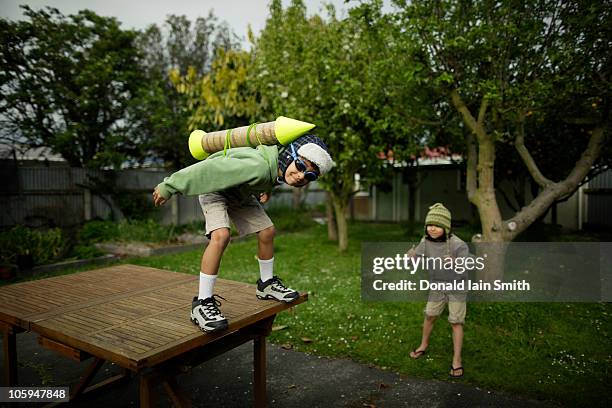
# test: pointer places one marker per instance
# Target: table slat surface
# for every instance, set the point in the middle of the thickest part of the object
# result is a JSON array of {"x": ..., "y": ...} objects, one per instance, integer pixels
[{"x": 132, "y": 315}]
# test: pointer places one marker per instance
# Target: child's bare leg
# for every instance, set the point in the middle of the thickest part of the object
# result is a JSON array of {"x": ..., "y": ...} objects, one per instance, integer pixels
[
  {"x": 428, "y": 324},
  {"x": 268, "y": 285},
  {"x": 205, "y": 312},
  {"x": 457, "y": 345},
  {"x": 211, "y": 259},
  {"x": 265, "y": 243}
]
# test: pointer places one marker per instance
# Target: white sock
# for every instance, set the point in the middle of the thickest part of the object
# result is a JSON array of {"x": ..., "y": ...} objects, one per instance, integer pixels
[
  {"x": 266, "y": 269},
  {"x": 207, "y": 284}
]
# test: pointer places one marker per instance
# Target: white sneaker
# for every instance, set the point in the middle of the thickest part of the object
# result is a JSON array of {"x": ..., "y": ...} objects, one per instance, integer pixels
[
  {"x": 205, "y": 314},
  {"x": 274, "y": 289}
]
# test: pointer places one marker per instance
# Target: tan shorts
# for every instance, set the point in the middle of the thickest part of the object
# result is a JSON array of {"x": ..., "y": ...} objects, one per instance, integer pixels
[
  {"x": 248, "y": 217},
  {"x": 456, "y": 305}
]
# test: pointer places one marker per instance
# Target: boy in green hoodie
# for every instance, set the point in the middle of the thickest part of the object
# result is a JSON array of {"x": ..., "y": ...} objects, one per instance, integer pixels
[{"x": 231, "y": 186}]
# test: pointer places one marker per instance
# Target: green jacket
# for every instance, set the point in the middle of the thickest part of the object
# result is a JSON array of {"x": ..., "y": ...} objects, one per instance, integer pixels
[{"x": 242, "y": 172}]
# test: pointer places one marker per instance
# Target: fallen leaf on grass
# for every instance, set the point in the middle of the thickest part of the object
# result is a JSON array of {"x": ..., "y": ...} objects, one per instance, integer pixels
[
  {"x": 277, "y": 328},
  {"x": 307, "y": 340}
]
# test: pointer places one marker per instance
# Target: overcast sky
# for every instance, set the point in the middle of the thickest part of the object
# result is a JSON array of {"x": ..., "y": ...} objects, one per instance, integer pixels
[{"x": 140, "y": 13}]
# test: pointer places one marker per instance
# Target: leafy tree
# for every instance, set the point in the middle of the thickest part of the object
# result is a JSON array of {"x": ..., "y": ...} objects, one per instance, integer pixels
[
  {"x": 330, "y": 71},
  {"x": 161, "y": 114},
  {"x": 523, "y": 73},
  {"x": 66, "y": 83},
  {"x": 224, "y": 96}
]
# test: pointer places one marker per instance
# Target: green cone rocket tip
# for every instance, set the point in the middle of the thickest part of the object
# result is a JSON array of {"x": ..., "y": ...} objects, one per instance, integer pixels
[{"x": 283, "y": 130}]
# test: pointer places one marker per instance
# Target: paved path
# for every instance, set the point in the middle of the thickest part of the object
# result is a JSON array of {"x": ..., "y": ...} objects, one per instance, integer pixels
[{"x": 294, "y": 380}]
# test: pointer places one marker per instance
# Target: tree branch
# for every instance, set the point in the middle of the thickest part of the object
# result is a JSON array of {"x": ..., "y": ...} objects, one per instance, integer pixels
[
  {"x": 483, "y": 111},
  {"x": 554, "y": 191},
  {"x": 465, "y": 113},
  {"x": 533, "y": 168},
  {"x": 425, "y": 122},
  {"x": 587, "y": 159}
]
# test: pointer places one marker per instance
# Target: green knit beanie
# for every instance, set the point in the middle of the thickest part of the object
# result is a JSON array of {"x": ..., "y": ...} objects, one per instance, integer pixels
[{"x": 439, "y": 216}]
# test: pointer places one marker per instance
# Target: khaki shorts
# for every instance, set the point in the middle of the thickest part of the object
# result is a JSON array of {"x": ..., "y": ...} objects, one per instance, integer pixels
[
  {"x": 248, "y": 217},
  {"x": 456, "y": 305}
]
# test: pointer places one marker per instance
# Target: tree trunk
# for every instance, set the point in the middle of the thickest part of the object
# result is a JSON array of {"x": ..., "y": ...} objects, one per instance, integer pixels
[
  {"x": 490, "y": 215},
  {"x": 480, "y": 184},
  {"x": 296, "y": 198},
  {"x": 332, "y": 231},
  {"x": 494, "y": 254},
  {"x": 340, "y": 207}
]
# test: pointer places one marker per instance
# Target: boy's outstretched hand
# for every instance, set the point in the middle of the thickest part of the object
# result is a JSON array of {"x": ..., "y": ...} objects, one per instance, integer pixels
[
  {"x": 264, "y": 197},
  {"x": 158, "y": 199}
]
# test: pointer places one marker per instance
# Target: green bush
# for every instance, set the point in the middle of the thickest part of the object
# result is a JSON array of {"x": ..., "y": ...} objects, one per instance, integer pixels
[
  {"x": 98, "y": 231},
  {"x": 85, "y": 252},
  {"x": 145, "y": 231},
  {"x": 43, "y": 246}
]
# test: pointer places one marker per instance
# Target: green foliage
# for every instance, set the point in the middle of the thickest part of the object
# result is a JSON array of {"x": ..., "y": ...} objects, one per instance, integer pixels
[
  {"x": 542, "y": 65},
  {"x": 225, "y": 96},
  {"x": 66, "y": 82},
  {"x": 161, "y": 113},
  {"x": 538, "y": 69},
  {"x": 98, "y": 231},
  {"x": 340, "y": 75},
  {"x": 126, "y": 231},
  {"x": 532, "y": 61},
  {"x": 43, "y": 246},
  {"x": 85, "y": 252}
]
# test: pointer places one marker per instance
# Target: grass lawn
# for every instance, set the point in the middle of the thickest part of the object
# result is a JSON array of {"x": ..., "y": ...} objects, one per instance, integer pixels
[{"x": 552, "y": 351}]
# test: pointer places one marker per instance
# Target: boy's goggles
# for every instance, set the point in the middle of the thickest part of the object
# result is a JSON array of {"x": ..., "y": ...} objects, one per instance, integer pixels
[{"x": 301, "y": 166}]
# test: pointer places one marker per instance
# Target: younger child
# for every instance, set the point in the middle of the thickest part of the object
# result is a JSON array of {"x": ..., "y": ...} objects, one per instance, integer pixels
[
  {"x": 438, "y": 242},
  {"x": 231, "y": 185}
]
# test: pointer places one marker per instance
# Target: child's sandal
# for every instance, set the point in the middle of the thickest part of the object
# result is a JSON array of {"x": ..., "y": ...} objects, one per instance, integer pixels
[
  {"x": 453, "y": 370},
  {"x": 415, "y": 355}
]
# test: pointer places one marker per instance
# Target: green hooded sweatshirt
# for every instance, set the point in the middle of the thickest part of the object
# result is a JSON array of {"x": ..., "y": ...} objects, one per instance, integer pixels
[{"x": 241, "y": 172}]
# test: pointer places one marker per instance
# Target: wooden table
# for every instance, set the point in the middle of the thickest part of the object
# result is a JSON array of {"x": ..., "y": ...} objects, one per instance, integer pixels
[{"x": 138, "y": 318}]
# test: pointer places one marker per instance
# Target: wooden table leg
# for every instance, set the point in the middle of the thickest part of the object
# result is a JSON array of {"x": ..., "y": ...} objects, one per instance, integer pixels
[
  {"x": 146, "y": 390},
  {"x": 259, "y": 364},
  {"x": 10, "y": 357},
  {"x": 177, "y": 396},
  {"x": 91, "y": 372}
]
